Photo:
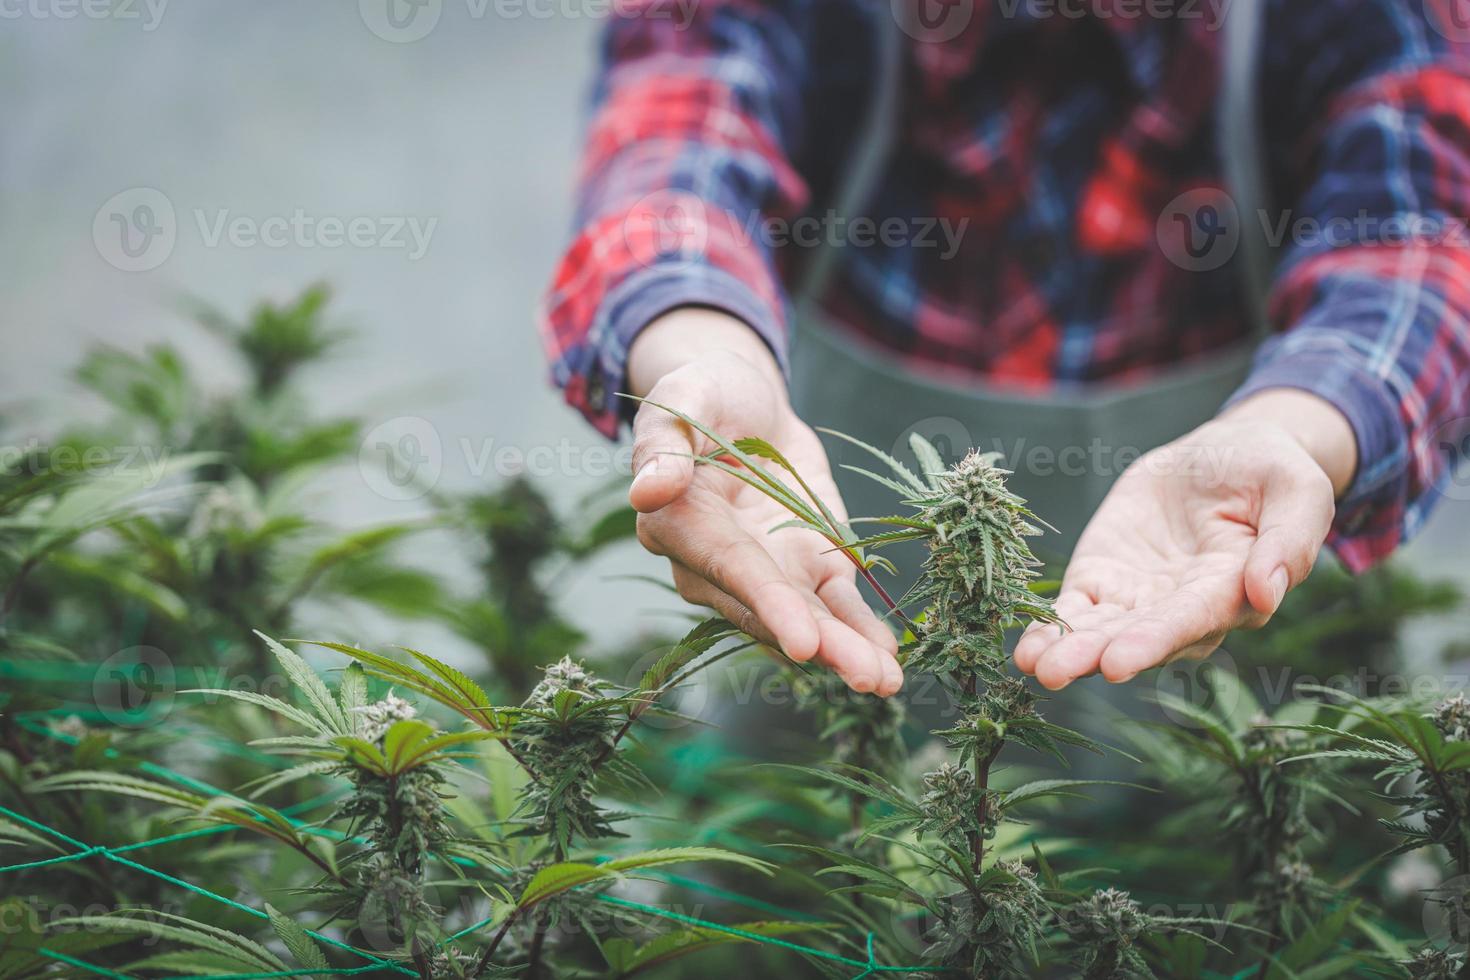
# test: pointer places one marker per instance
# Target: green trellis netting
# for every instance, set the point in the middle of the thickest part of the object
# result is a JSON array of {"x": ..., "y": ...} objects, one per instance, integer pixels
[{"x": 120, "y": 855}]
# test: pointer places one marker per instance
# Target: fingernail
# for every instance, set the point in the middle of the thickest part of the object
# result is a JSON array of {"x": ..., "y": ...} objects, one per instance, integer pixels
[
  {"x": 1279, "y": 581},
  {"x": 649, "y": 468}
]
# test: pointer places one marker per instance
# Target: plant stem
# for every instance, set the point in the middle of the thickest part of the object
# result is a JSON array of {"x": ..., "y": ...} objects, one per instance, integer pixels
[
  {"x": 538, "y": 942},
  {"x": 484, "y": 960},
  {"x": 872, "y": 580},
  {"x": 12, "y": 593}
]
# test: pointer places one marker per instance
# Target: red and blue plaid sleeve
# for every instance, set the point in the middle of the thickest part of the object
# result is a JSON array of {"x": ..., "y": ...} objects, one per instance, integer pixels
[
  {"x": 695, "y": 118},
  {"x": 1370, "y": 136}
]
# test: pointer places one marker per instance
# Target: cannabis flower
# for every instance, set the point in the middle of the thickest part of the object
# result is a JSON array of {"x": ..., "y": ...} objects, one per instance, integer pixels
[
  {"x": 564, "y": 675},
  {"x": 951, "y": 801},
  {"x": 1452, "y": 718},
  {"x": 379, "y": 716},
  {"x": 979, "y": 568}
]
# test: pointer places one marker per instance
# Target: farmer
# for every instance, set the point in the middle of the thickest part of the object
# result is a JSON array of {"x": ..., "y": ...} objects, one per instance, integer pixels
[{"x": 1052, "y": 228}]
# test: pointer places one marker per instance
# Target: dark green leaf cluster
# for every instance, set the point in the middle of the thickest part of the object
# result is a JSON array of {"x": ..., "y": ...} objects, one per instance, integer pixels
[
  {"x": 1429, "y": 748},
  {"x": 996, "y": 934},
  {"x": 1435, "y": 964}
]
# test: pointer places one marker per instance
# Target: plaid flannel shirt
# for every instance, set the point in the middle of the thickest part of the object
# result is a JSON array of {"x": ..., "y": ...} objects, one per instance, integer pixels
[{"x": 1053, "y": 200}]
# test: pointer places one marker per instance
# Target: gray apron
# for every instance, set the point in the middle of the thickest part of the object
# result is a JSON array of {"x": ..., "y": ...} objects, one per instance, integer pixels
[{"x": 1065, "y": 448}]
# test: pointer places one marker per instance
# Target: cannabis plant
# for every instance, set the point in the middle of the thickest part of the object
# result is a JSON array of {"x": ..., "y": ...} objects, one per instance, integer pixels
[
  {"x": 1421, "y": 754},
  {"x": 397, "y": 840},
  {"x": 989, "y": 916},
  {"x": 241, "y": 551},
  {"x": 522, "y": 546}
]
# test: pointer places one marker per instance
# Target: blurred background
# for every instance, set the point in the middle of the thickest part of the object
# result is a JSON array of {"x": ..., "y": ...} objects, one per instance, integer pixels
[
  {"x": 459, "y": 125},
  {"x": 415, "y": 155}
]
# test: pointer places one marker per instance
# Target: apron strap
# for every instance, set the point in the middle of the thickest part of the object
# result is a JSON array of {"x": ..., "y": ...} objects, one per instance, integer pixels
[
  {"x": 872, "y": 150},
  {"x": 1242, "y": 153}
]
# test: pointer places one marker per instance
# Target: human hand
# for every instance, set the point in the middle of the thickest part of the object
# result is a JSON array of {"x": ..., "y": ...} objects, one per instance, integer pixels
[
  {"x": 788, "y": 588},
  {"x": 1197, "y": 538}
]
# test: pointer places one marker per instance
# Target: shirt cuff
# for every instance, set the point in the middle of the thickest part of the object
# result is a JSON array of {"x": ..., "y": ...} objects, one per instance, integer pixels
[
  {"x": 1369, "y": 520},
  {"x": 645, "y": 296}
]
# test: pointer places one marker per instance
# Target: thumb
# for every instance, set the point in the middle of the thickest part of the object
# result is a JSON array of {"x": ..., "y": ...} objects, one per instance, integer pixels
[
  {"x": 1296, "y": 513},
  {"x": 663, "y": 445}
]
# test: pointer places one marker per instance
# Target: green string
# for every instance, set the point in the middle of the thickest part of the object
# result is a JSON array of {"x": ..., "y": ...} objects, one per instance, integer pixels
[
  {"x": 96, "y": 850},
  {"x": 869, "y": 967}
]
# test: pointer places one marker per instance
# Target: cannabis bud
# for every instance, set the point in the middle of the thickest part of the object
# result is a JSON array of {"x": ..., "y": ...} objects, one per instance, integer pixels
[
  {"x": 1433, "y": 964},
  {"x": 1452, "y": 718},
  {"x": 1108, "y": 916},
  {"x": 379, "y": 716},
  {"x": 949, "y": 800},
  {"x": 979, "y": 568},
  {"x": 564, "y": 675}
]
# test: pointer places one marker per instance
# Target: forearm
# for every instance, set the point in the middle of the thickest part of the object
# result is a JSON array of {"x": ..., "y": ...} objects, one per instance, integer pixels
[
  {"x": 681, "y": 336},
  {"x": 692, "y": 143},
  {"x": 1313, "y": 422}
]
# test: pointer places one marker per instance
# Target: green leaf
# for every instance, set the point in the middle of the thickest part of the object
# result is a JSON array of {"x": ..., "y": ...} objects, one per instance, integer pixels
[
  {"x": 1042, "y": 788},
  {"x": 250, "y": 955},
  {"x": 915, "y": 485},
  {"x": 312, "y": 687},
  {"x": 624, "y": 958},
  {"x": 931, "y": 464},
  {"x": 273, "y": 704},
  {"x": 557, "y": 878},
  {"x": 302, "y": 946},
  {"x": 698, "y": 640}
]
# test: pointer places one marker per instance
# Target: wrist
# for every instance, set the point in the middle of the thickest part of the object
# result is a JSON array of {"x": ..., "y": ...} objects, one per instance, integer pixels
[
  {"x": 684, "y": 335},
  {"x": 1314, "y": 423}
]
